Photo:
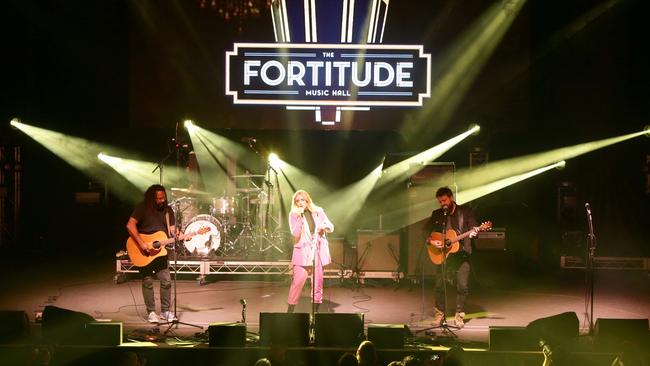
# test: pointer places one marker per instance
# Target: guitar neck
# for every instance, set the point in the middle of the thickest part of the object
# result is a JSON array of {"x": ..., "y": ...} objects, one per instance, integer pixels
[{"x": 180, "y": 237}]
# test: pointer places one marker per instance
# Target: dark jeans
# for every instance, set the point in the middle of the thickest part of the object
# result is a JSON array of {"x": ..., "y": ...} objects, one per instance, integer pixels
[
  {"x": 460, "y": 265},
  {"x": 159, "y": 269}
]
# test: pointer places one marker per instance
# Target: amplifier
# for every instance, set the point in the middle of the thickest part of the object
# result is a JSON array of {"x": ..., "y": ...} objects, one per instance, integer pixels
[{"x": 491, "y": 240}]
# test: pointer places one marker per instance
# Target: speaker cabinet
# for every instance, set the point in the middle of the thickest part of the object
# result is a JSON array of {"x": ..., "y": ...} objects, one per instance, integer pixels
[
  {"x": 511, "y": 339},
  {"x": 377, "y": 251},
  {"x": 14, "y": 326},
  {"x": 387, "y": 335},
  {"x": 227, "y": 334},
  {"x": 63, "y": 326},
  {"x": 612, "y": 333},
  {"x": 558, "y": 328},
  {"x": 337, "y": 252},
  {"x": 338, "y": 330},
  {"x": 494, "y": 240},
  {"x": 103, "y": 333},
  {"x": 289, "y": 329}
]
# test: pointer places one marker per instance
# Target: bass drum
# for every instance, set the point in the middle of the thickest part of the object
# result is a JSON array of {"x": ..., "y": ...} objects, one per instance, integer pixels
[{"x": 202, "y": 245}]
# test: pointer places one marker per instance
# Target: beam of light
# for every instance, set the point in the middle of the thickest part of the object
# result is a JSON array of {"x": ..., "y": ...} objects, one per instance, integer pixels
[
  {"x": 274, "y": 161},
  {"x": 213, "y": 153},
  {"x": 646, "y": 129},
  {"x": 410, "y": 166},
  {"x": 142, "y": 174},
  {"x": 459, "y": 66},
  {"x": 292, "y": 178},
  {"x": 471, "y": 194},
  {"x": 343, "y": 205},
  {"x": 82, "y": 155},
  {"x": 471, "y": 178}
]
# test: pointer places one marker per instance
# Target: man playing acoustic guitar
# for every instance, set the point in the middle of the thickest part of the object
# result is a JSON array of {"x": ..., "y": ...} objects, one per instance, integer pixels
[
  {"x": 459, "y": 219},
  {"x": 150, "y": 217}
]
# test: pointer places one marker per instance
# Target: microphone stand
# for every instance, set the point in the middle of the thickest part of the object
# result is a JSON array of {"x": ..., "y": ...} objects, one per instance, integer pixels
[
  {"x": 175, "y": 321},
  {"x": 445, "y": 328},
  {"x": 589, "y": 273}
]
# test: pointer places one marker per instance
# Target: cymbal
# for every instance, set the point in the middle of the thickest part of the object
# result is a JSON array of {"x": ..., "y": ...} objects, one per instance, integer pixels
[
  {"x": 248, "y": 176},
  {"x": 188, "y": 191},
  {"x": 248, "y": 190}
]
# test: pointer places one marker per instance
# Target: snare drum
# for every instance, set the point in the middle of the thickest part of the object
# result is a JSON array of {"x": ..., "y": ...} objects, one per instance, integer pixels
[
  {"x": 203, "y": 244},
  {"x": 223, "y": 206}
]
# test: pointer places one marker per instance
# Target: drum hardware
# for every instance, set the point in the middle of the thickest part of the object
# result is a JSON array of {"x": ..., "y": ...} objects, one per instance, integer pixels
[{"x": 188, "y": 191}]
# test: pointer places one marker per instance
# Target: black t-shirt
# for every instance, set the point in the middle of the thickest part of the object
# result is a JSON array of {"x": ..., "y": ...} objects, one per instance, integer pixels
[{"x": 151, "y": 221}]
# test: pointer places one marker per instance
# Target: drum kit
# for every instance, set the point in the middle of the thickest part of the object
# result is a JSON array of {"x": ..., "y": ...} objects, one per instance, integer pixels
[{"x": 238, "y": 224}]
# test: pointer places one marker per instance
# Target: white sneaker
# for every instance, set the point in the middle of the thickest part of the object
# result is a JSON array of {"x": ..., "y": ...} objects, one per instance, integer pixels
[
  {"x": 167, "y": 316},
  {"x": 153, "y": 317}
]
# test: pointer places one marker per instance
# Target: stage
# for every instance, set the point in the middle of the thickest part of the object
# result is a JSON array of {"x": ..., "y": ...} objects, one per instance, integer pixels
[{"x": 498, "y": 297}]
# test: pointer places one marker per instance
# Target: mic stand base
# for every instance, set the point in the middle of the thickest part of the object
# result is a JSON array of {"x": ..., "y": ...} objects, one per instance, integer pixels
[{"x": 445, "y": 330}]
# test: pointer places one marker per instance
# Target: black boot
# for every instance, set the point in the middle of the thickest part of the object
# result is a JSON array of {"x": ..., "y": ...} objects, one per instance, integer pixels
[
  {"x": 290, "y": 308},
  {"x": 316, "y": 306}
]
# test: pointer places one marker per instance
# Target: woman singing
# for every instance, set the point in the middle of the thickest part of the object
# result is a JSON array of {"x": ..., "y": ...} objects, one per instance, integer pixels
[{"x": 308, "y": 224}]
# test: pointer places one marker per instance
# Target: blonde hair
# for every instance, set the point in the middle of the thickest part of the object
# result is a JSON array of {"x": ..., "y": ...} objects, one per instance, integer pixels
[{"x": 310, "y": 204}]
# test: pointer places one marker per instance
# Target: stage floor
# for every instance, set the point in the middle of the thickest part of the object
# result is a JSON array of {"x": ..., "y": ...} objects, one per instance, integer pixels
[{"x": 506, "y": 298}]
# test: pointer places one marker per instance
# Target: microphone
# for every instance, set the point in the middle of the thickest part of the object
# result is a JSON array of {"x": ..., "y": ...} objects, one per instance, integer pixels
[
  {"x": 445, "y": 209},
  {"x": 588, "y": 208},
  {"x": 242, "y": 302}
]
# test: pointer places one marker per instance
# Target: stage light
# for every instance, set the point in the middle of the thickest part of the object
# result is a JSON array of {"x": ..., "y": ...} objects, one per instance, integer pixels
[
  {"x": 478, "y": 176},
  {"x": 13, "y": 123},
  {"x": 274, "y": 161},
  {"x": 188, "y": 124},
  {"x": 475, "y": 128},
  {"x": 647, "y": 130},
  {"x": 459, "y": 65},
  {"x": 142, "y": 174},
  {"x": 343, "y": 205},
  {"x": 406, "y": 168},
  {"x": 82, "y": 155},
  {"x": 561, "y": 165},
  {"x": 467, "y": 195}
]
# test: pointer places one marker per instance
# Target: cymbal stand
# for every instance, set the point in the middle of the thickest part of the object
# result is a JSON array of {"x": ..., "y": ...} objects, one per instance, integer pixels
[
  {"x": 247, "y": 233},
  {"x": 266, "y": 233}
]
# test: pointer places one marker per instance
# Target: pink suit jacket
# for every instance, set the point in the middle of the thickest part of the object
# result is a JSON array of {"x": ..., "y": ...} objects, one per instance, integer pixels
[{"x": 302, "y": 247}]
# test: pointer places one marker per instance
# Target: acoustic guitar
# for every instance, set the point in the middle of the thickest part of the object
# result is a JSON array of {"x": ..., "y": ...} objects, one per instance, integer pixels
[
  {"x": 452, "y": 240},
  {"x": 156, "y": 243}
]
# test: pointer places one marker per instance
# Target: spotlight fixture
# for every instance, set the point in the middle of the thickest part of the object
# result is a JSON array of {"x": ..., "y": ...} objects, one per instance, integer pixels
[
  {"x": 475, "y": 128},
  {"x": 646, "y": 129},
  {"x": 188, "y": 123},
  {"x": 560, "y": 165},
  {"x": 274, "y": 160}
]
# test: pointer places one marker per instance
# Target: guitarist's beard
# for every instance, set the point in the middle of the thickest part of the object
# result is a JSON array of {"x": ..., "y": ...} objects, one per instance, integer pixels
[{"x": 161, "y": 206}]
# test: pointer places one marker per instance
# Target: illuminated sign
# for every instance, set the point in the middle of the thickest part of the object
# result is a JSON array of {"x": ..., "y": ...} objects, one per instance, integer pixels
[{"x": 328, "y": 74}]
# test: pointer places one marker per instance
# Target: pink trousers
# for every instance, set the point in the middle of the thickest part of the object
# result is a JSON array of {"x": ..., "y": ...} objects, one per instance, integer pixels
[{"x": 300, "y": 275}]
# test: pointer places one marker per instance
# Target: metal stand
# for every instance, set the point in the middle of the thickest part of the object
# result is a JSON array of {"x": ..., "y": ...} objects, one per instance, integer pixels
[
  {"x": 266, "y": 233},
  {"x": 445, "y": 328},
  {"x": 589, "y": 270},
  {"x": 175, "y": 321}
]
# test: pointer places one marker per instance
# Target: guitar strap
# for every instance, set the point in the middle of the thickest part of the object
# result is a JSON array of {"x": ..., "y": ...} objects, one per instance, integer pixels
[{"x": 167, "y": 222}]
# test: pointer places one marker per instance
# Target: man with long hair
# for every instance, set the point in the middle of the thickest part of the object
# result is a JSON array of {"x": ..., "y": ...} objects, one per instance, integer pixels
[
  {"x": 151, "y": 216},
  {"x": 309, "y": 225}
]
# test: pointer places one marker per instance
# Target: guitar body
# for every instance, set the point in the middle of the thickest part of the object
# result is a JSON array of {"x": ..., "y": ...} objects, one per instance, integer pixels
[
  {"x": 437, "y": 255},
  {"x": 452, "y": 240},
  {"x": 154, "y": 243}
]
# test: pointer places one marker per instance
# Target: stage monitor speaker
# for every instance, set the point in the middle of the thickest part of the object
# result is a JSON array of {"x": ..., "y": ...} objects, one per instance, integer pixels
[
  {"x": 494, "y": 240},
  {"x": 612, "y": 333},
  {"x": 227, "y": 334},
  {"x": 337, "y": 252},
  {"x": 289, "y": 329},
  {"x": 103, "y": 333},
  {"x": 556, "y": 329},
  {"x": 387, "y": 335},
  {"x": 377, "y": 251},
  {"x": 511, "y": 339},
  {"x": 14, "y": 326},
  {"x": 338, "y": 330},
  {"x": 63, "y": 326}
]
